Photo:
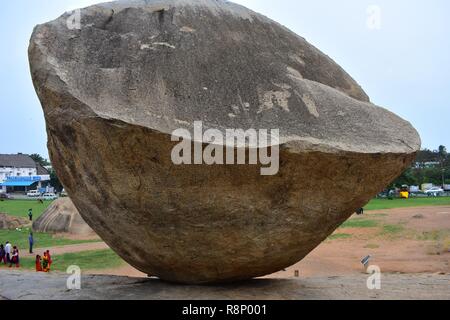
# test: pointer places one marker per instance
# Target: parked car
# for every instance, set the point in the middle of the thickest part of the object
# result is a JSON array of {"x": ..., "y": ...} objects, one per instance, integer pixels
[
  {"x": 5, "y": 196},
  {"x": 435, "y": 191},
  {"x": 63, "y": 193},
  {"x": 33, "y": 193},
  {"x": 49, "y": 196}
]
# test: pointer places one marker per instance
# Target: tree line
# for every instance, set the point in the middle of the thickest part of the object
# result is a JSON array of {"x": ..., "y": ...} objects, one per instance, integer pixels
[{"x": 430, "y": 166}]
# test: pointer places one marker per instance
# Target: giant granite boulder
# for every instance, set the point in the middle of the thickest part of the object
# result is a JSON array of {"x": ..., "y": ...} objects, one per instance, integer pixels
[
  {"x": 62, "y": 217},
  {"x": 116, "y": 86}
]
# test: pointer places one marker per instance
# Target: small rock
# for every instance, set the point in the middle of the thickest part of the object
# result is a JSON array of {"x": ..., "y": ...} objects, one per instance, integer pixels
[
  {"x": 62, "y": 217},
  {"x": 8, "y": 222}
]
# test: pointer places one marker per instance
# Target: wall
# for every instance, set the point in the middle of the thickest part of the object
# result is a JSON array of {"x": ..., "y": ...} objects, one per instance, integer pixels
[{"x": 23, "y": 172}]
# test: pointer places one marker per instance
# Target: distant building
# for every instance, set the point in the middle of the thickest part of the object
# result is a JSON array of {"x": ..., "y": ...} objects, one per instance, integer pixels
[
  {"x": 427, "y": 164},
  {"x": 20, "y": 173}
]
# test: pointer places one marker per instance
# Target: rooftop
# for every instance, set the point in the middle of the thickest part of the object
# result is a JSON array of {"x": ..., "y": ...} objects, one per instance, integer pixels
[{"x": 17, "y": 161}]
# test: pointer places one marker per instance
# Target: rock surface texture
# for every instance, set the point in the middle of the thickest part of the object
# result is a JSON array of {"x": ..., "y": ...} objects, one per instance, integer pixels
[
  {"x": 115, "y": 87},
  {"x": 62, "y": 217}
]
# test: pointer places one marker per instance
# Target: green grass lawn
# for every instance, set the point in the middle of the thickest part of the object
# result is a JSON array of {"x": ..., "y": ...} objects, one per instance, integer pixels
[
  {"x": 19, "y": 208},
  {"x": 381, "y": 204},
  {"x": 87, "y": 260},
  {"x": 41, "y": 240},
  {"x": 392, "y": 229},
  {"x": 339, "y": 236},
  {"x": 359, "y": 223}
]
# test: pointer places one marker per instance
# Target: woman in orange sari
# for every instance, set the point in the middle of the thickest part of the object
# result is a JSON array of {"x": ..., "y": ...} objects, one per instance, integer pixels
[{"x": 38, "y": 264}]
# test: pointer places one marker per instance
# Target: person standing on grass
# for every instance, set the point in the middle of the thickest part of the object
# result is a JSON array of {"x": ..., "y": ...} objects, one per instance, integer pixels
[
  {"x": 2, "y": 254},
  {"x": 38, "y": 263},
  {"x": 45, "y": 267},
  {"x": 30, "y": 214},
  {"x": 15, "y": 258},
  {"x": 50, "y": 261},
  {"x": 31, "y": 242},
  {"x": 8, "y": 252}
]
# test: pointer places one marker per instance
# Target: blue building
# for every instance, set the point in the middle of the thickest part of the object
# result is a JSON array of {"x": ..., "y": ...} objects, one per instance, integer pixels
[{"x": 20, "y": 173}]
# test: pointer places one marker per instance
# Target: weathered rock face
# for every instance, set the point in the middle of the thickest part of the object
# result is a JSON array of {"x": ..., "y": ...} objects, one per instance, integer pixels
[
  {"x": 62, "y": 217},
  {"x": 8, "y": 222},
  {"x": 115, "y": 89}
]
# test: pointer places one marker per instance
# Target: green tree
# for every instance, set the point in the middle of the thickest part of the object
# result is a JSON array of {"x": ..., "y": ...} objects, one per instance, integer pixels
[
  {"x": 408, "y": 177},
  {"x": 425, "y": 155},
  {"x": 40, "y": 159},
  {"x": 54, "y": 181},
  {"x": 421, "y": 172},
  {"x": 442, "y": 152}
]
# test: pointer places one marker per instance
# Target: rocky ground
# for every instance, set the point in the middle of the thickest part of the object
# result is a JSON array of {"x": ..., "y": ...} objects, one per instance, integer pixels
[{"x": 32, "y": 286}]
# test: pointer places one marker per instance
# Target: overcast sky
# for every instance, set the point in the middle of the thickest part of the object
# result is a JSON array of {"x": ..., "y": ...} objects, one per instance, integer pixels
[{"x": 398, "y": 50}]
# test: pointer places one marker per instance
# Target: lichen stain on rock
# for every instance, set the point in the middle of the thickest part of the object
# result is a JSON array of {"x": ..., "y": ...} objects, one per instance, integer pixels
[
  {"x": 272, "y": 99},
  {"x": 310, "y": 104}
]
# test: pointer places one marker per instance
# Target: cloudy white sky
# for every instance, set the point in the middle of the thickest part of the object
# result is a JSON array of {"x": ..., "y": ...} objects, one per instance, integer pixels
[{"x": 403, "y": 62}]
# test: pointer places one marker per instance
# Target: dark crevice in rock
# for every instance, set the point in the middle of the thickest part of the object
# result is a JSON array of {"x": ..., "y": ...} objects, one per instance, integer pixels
[
  {"x": 108, "y": 21},
  {"x": 161, "y": 17}
]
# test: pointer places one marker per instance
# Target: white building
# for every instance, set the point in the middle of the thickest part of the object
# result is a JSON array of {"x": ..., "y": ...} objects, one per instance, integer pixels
[{"x": 19, "y": 172}]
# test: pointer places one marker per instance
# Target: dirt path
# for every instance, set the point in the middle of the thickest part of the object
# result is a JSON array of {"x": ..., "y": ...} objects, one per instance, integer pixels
[
  {"x": 420, "y": 246},
  {"x": 70, "y": 248}
]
